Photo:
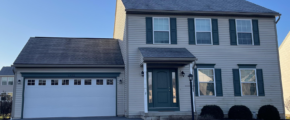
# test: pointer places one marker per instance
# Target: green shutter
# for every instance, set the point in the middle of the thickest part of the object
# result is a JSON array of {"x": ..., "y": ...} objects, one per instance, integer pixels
[
  {"x": 195, "y": 82},
  {"x": 237, "y": 84},
  {"x": 256, "y": 32},
  {"x": 149, "y": 30},
  {"x": 191, "y": 31},
  {"x": 218, "y": 82},
  {"x": 215, "y": 31},
  {"x": 260, "y": 82},
  {"x": 233, "y": 34},
  {"x": 173, "y": 31}
]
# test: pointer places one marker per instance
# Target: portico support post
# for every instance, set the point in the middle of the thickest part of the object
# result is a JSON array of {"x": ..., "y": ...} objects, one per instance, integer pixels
[{"x": 145, "y": 88}]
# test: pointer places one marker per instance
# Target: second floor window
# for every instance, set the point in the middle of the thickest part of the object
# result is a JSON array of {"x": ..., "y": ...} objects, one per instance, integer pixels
[
  {"x": 161, "y": 30},
  {"x": 203, "y": 31},
  {"x": 244, "y": 32}
]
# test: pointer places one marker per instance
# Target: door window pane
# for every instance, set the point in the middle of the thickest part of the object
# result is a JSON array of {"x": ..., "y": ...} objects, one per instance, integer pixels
[
  {"x": 150, "y": 94},
  {"x": 110, "y": 82},
  {"x": 77, "y": 82},
  {"x": 31, "y": 82},
  {"x": 65, "y": 82},
  {"x": 4, "y": 80},
  {"x": 42, "y": 82},
  {"x": 174, "y": 87},
  {"x": 54, "y": 82},
  {"x": 88, "y": 82},
  {"x": 99, "y": 82}
]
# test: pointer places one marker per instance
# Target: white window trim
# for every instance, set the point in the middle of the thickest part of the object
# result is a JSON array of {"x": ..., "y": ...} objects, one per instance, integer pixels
[
  {"x": 161, "y": 30},
  {"x": 248, "y": 82},
  {"x": 203, "y": 31},
  {"x": 207, "y": 82},
  {"x": 244, "y": 32}
]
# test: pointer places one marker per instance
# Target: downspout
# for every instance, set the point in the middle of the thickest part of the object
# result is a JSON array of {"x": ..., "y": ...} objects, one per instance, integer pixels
[
  {"x": 194, "y": 103},
  {"x": 278, "y": 19}
]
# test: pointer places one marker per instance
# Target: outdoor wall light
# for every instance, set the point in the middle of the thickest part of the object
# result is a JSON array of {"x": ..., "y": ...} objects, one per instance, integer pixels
[
  {"x": 182, "y": 73},
  {"x": 142, "y": 73},
  {"x": 19, "y": 81},
  {"x": 120, "y": 81}
]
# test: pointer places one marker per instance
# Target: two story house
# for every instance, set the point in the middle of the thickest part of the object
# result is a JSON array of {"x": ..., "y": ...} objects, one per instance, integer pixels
[
  {"x": 284, "y": 62},
  {"x": 230, "y": 46},
  {"x": 7, "y": 81}
]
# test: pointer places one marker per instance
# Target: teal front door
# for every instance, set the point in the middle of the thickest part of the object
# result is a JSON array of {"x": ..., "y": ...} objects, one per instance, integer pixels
[{"x": 162, "y": 90}]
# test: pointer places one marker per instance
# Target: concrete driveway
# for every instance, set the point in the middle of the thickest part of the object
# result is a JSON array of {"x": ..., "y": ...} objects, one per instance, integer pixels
[{"x": 86, "y": 118}]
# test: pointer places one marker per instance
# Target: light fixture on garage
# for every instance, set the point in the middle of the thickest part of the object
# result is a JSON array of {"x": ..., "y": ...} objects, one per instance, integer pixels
[
  {"x": 182, "y": 73},
  {"x": 19, "y": 81},
  {"x": 120, "y": 81},
  {"x": 142, "y": 73}
]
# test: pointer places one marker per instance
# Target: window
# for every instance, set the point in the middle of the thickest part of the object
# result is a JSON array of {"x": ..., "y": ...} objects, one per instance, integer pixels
[
  {"x": 203, "y": 31},
  {"x": 110, "y": 82},
  {"x": 244, "y": 32},
  {"x": 77, "y": 82},
  {"x": 4, "y": 80},
  {"x": 206, "y": 81},
  {"x": 88, "y": 82},
  {"x": 248, "y": 81},
  {"x": 54, "y": 82},
  {"x": 161, "y": 30},
  {"x": 42, "y": 82},
  {"x": 174, "y": 87},
  {"x": 99, "y": 82},
  {"x": 10, "y": 80},
  {"x": 31, "y": 82},
  {"x": 150, "y": 94},
  {"x": 65, "y": 82}
]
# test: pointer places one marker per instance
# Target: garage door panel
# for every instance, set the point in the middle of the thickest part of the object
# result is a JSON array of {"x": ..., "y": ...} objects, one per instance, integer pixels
[{"x": 69, "y": 100}]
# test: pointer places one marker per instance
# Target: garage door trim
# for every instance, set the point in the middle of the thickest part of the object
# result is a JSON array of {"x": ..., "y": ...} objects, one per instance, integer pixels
[{"x": 67, "y": 75}]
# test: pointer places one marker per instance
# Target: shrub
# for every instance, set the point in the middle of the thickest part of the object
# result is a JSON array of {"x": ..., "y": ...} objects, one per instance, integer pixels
[
  {"x": 268, "y": 112},
  {"x": 212, "y": 110},
  {"x": 240, "y": 112}
]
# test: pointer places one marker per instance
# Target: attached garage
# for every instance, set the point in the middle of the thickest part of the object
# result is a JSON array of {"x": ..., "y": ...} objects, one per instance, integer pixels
[{"x": 74, "y": 97}]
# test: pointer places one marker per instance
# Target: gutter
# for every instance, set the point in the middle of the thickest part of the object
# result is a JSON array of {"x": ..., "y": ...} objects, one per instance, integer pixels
[
  {"x": 68, "y": 66},
  {"x": 278, "y": 19}
]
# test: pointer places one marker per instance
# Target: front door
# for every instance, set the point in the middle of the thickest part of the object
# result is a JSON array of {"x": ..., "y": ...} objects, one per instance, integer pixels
[{"x": 162, "y": 90}]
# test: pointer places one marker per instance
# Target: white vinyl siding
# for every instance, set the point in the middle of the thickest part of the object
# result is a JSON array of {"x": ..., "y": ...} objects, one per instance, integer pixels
[
  {"x": 225, "y": 56},
  {"x": 244, "y": 32},
  {"x": 161, "y": 30}
]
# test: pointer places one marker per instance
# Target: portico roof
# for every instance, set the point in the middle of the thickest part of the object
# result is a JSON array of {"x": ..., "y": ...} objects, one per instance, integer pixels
[{"x": 166, "y": 55}]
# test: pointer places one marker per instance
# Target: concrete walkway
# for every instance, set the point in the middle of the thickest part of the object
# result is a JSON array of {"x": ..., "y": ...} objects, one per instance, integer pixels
[{"x": 86, "y": 118}]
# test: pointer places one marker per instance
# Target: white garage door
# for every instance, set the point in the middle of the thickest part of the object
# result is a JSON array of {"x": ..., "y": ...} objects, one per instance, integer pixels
[{"x": 69, "y": 98}]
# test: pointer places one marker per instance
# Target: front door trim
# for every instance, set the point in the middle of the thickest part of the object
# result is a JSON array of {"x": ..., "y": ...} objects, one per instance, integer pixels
[{"x": 172, "y": 107}]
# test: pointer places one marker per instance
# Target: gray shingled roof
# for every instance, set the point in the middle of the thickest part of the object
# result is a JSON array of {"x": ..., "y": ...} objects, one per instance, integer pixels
[
  {"x": 70, "y": 51},
  {"x": 6, "y": 71},
  {"x": 239, "y": 6},
  {"x": 149, "y": 52}
]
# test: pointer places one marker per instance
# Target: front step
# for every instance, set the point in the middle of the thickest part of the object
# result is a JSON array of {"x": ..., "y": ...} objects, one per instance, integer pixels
[{"x": 167, "y": 115}]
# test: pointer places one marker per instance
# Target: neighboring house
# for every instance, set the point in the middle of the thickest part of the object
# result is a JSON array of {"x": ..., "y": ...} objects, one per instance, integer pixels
[
  {"x": 7, "y": 80},
  {"x": 284, "y": 51},
  {"x": 142, "y": 72}
]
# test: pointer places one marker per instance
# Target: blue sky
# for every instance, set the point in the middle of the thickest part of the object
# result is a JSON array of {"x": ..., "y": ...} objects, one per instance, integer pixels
[{"x": 21, "y": 19}]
